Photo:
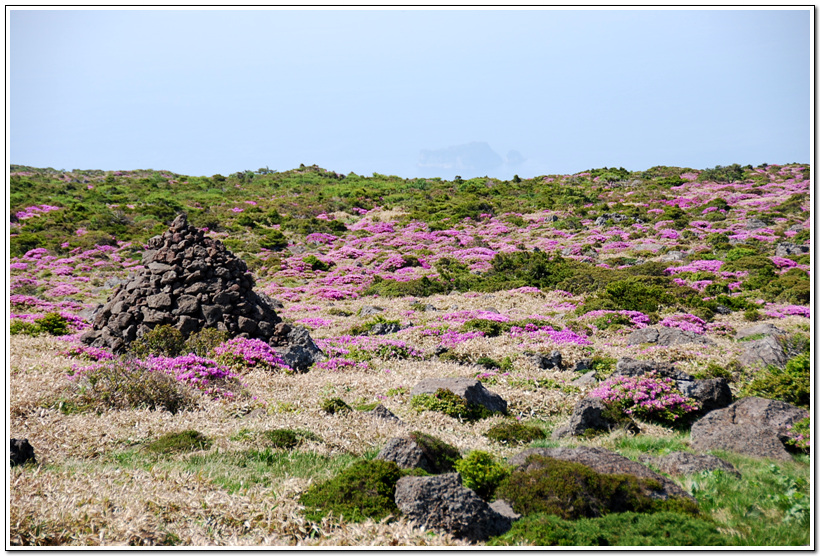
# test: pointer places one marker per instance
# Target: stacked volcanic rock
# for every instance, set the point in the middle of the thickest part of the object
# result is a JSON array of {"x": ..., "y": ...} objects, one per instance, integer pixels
[{"x": 191, "y": 282}]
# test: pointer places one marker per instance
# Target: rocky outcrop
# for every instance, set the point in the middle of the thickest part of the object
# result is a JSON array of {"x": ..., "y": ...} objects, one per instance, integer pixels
[
  {"x": 442, "y": 503},
  {"x": 189, "y": 281},
  {"x": 590, "y": 414},
  {"x": 686, "y": 463},
  {"x": 21, "y": 452},
  {"x": 381, "y": 412},
  {"x": 759, "y": 330},
  {"x": 751, "y": 426},
  {"x": 665, "y": 336},
  {"x": 468, "y": 388},
  {"x": 762, "y": 353},
  {"x": 543, "y": 361},
  {"x": 788, "y": 249}
]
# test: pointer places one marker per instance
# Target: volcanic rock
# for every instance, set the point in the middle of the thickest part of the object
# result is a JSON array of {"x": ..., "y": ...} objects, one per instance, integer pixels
[
  {"x": 21, "y": 452},
  {"x": 686, "y": 463},
  {"x": 468, "y": 388},
  {"x": 440, "y": 502},
  {"x": 752, "y": 426}
]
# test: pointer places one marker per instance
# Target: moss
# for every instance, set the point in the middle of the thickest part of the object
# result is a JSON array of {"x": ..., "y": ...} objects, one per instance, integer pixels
[
  {"x": 571, "y": 490},
  {"x": 367, "y": 489},
  {"x": 185, "y": 441},
  {"x": 513, "y": 432},
  {"x": 441, "y": 456}
]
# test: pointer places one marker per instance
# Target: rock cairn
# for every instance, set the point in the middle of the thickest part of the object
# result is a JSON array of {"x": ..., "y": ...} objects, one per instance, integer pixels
[{"x": 190, "y": 282}]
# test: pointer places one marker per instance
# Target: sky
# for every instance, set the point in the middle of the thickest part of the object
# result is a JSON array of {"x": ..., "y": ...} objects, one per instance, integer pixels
[{"x": 413, "y": 93}]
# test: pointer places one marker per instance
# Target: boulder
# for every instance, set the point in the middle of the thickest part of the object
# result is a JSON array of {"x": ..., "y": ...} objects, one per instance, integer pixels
[
  {"x": 442, "y": 503},
  {"x": 759, "y": 329},
  {"x": 587, "y": 379},
  {"x": 552, "y": 361},
  {"x": 588, "y": 414},
  {"x": 368, "y": 310},
  {"x": 603, "y": 461},
  {"x": 468, "y": 388},
  {"x": 787, "y": 249},
  {"x": 301, "y": 351},
  {"x": 21, "y": 452},
  {"x": 381, "y": 412},
  {"x": 686, "y": 463},
  {"x": 381, "y": 328},
  {"x": 665, "y": 336},
  {"x": 752, "y": 426},
  {"x": 406, "y": 453},
  {"x": 626, "y": 366},
  {"x": 762, "y": 353}
]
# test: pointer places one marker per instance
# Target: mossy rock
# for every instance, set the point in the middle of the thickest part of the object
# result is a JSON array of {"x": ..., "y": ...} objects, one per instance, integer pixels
[
  {"x": 331, "y": 406},
  {"x": 572, "y": 490},
  {"x": 364, "y": 490},
  {"x": 513, "y": 432},
  {"x": 440, "y": 455},
  {"x": 451, "y": 404},
  {"x": 288, "y": 438}
]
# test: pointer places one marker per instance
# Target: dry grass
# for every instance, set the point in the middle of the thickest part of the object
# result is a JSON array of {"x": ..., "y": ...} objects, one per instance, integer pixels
[{"x": 78, "y": 495}]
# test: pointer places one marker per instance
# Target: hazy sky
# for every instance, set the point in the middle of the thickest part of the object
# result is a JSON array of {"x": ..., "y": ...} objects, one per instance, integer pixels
[{"x": 411, "y": 93}]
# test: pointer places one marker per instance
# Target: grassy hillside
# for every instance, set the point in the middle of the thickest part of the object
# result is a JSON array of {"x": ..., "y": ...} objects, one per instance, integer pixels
[{"x": 478, "y": 273}]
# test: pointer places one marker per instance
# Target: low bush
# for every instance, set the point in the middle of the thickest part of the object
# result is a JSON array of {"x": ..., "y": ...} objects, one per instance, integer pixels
[
  {"x": 445, "y": 401},
  {"x": 130, "y": 384},
  {"x": 800, "y": 435},
  {"x": 287, "y": 438},
  {"x": 203, "y": 342},
  {"x": 513, "y": 433},
  {"x": 490, "y": 328},
  {"x": 175, "y": 442},
  {"x": 162, "y": 340},
  {"x": 331, "y": 406},
  {"x": 571, "y": 490},
  {"x": 367, "y": 489},
  {"x": 480, "y": 472},
  {"x": 53, "y": 324},
  {"x": 441, "y": 456},
  {"x": 791, "y": 384},
  {"x": 620, "y": 529}
]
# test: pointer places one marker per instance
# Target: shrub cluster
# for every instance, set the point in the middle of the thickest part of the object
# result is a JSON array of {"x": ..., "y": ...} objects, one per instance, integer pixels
[
  {"x": 791, "y": 384},
  {"x": 480, "y": 472},
  {"x": 513, "y": 432},
  {"x": 648, "y": 396}
]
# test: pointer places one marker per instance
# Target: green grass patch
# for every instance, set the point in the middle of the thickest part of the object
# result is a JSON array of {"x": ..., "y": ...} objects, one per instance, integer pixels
[
  {"x": 514, "y": 433},
  {"x": 622, "y": 529},
  {"x": 175, "y": 442}
]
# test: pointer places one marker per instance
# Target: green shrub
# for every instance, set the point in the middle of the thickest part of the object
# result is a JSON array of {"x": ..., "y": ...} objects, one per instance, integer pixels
[
  {"x": 445, "y": 401},
  {"x": 273, "y": 240},
  {"x": 571, "y": 490},
  {"x": 739, "y": 253},
  {"x": 185, "y": 441},
  {"x": 513, "y": 432},
  {"x": 332, "y": 406},
  {"x": 490, "y": 328},
  {"x": 53, "y": 324},
  {"x": 336, "y": 312},
  {"x": 201, "y": 343},
  {"x": 752, "y": 315},
  {"x": 315, "y": 263},
  {"x": 287, "y": 438},
  {"x": 481, "y": 473},
  {"x": 420, "y": 287},
  {"x": 792, "y": 384},
  {"x": 621, "y": 529},
  {"x": 18, "y": 326},
  {"x": 367, "y": 489},
  {"x": 162, "y": 340},
  {"x": 50, "y": 323}
]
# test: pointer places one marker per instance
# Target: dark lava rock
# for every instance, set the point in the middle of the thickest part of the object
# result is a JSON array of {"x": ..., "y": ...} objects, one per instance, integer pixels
[
  {"x": 588, "y": 415},
  {"x": 752, "y": 426},
  {"x": 686, "y": 463},
  {"x": 762, "y": 353},
  {"x": 442, "y": 503},
  {"x": 468, "y": 388},
  {"x": 21, "y": 452}
]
